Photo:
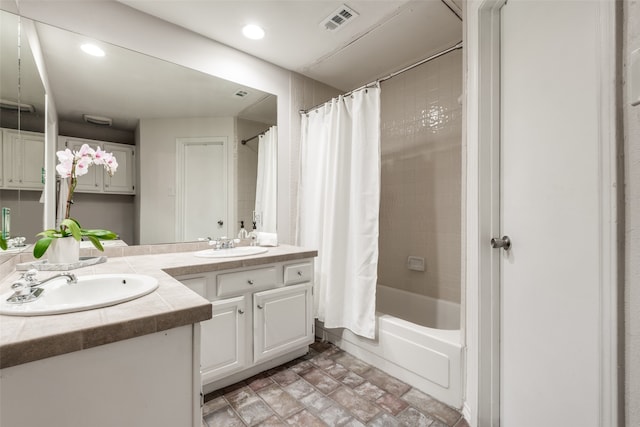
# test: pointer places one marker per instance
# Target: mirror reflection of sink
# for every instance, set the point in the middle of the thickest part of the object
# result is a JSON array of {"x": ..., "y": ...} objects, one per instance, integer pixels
[
  {"x": 230, "y": 253},
  {"x": 90, "y": 292}
]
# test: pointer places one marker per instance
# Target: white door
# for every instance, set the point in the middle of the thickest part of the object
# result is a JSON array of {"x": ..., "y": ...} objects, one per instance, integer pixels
[
  {"x": 202, "y": 198},
  {"x": 550, "y": 208},
  {"x": 282, "y": 320}
]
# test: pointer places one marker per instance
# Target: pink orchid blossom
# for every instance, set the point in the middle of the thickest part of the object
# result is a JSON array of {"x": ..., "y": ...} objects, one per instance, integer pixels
[
  {"x": 77, "y": 163},
  {"x": 110, "y": 163}
]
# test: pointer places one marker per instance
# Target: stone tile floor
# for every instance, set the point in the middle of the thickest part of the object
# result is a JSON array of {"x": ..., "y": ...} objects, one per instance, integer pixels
[{"x": 327, "y": 387}]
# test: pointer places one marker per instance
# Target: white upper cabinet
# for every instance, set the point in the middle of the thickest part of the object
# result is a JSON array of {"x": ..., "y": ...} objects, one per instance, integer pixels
[
  {"x": 22, "y": 159},
  {"x": 123, "y": 181},
  {"x": 97, "y": 180}
]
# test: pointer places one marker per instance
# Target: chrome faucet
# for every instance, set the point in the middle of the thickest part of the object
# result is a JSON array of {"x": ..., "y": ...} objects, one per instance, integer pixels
[
  {"x": 221, "y": 243},
  {"x": 27, "y": 287},
  {"x": 71, "y": 278}
]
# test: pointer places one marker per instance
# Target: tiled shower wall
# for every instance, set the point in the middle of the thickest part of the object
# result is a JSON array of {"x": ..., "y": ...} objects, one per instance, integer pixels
[{"x": 420, "y": 209}]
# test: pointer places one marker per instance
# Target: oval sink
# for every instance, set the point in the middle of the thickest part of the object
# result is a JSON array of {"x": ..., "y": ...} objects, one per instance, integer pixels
[
  {"x": 90, "y": 292},
  {"x": 233, "y": 252}
]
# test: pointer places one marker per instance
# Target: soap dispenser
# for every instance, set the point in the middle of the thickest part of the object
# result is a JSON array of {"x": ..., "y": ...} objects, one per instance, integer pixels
[
  {"x": 243, "y": 233},
  {"x": 253, "y": 235}
]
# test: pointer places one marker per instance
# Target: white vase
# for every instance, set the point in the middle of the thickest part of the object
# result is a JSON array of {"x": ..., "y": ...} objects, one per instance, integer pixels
[{"x": 65, "y": 250}]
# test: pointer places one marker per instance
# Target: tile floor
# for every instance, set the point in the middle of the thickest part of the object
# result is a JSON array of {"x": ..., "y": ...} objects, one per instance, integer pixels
[{"x": 327, "y": 387}]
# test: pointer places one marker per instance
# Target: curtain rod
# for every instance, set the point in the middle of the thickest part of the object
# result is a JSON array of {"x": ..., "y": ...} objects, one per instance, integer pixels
[
  {"x": 381, "y": 79},
  {"x": 244, "y": 141}
]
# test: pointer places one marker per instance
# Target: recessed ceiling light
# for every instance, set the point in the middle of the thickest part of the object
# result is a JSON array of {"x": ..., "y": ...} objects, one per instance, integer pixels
[
  {"x": 92, "y": 49},
  {"x": 253, "y": 32}
]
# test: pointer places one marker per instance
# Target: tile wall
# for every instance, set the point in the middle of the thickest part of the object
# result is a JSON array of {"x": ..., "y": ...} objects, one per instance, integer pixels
[{"x": 420, "y": 209}]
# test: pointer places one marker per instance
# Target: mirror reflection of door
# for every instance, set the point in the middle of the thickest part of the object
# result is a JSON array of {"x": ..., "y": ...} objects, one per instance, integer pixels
[{"x": 201, "y": 196}]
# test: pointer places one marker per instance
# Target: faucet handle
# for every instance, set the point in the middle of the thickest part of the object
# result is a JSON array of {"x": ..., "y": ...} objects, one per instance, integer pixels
[
  {"x": 30, "y": 276},
  {"x": 21, "y": 287}
]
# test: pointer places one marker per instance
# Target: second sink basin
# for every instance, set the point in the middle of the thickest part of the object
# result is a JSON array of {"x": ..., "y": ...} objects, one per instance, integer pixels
[
  {"x": 90, "y": 292},
  {"x": 233, "y": 252}
]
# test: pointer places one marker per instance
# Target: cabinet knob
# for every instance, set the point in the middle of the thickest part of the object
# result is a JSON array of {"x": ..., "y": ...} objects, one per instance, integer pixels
[
  {"x": 95, "y": 185},
  {"x": 250, "y": 282},
  {"x": 240, "y": 311},
  {"x": 259, "y": 306},
  {"x": 300, "y": 273}
]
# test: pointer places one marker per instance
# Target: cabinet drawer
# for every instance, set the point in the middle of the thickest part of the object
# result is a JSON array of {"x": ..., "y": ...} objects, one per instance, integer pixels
[
  {"x": 246, "y": 281},
  {"x": 298, "y": 273}
]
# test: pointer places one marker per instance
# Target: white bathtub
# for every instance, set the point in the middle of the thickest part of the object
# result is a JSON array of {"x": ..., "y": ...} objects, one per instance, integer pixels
[{"x": 428, "y": 358}]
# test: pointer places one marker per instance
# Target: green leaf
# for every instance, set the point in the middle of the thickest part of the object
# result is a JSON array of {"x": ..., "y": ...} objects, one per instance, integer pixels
[
  {"x": 41, "y": 246},
  {"x": 96, "y": 243},
  {"x": 73, "y": 227},
  {"x": 3, "y": 244},
  {"x": 102, "y": 234}
]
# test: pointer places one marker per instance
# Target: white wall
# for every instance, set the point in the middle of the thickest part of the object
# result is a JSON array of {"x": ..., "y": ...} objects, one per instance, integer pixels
[
  {"x": 157, "y": 181},
  {"x": 631, "y": 42}
]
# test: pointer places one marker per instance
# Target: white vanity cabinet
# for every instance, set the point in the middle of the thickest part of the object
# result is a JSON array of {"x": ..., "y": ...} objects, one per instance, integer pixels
[
  {"x": 281, "y": 321},
  {"x": 262, "y": 317},
  {"x": 97, "y": 180},
  {"x": 22, "y": 159}
]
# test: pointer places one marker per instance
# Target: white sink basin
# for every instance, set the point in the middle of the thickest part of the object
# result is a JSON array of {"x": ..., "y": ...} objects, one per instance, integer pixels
[
  {"x": 233, "y": 252},
  {"x": 93, "y": 291}
]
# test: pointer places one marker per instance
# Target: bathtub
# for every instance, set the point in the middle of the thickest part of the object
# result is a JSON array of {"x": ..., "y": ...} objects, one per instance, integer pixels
[{"x": 424, "y": 351}]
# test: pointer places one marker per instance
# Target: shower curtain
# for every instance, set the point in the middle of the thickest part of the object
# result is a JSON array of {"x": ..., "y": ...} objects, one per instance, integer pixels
[
  {"x": 267, "y": 181},
  {"x": 339, "y": 199}
]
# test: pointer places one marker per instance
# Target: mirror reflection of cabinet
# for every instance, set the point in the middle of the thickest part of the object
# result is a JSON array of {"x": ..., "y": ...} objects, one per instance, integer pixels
[
  {"x": 96, "y": 180},
  {"x": 22, "y": 159}
]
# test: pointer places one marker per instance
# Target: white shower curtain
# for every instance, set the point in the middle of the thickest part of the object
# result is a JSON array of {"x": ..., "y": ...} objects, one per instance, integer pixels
[
  {"x": 267, "y": 181},
  {"x": 339, "y": 199}
]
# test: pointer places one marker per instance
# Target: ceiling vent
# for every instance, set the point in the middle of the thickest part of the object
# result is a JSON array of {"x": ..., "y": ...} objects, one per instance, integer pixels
[
  {"x": 241, "y": 93},
  {"x": 16, "y": 106},
  {"x": 97, "y": 120},
  {"x": 338, "y": 19}
]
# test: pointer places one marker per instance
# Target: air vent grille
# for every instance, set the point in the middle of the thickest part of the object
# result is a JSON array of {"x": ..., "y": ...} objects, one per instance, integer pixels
[{"x": 338, "y": 19}]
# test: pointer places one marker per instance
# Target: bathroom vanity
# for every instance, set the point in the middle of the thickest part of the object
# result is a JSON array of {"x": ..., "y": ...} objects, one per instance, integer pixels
[
  {"x": 139, "y": 363},
  {"x": 262, "y": 317}
]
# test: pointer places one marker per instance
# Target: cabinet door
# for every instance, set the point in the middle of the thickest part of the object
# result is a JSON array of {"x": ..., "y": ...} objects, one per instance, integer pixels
[
  {"x": 123, "y": 181},
  {"x": 282, "y": 320},
  {"x": 91, "y": 182},
  {"x": 23, "y": 159},
  {"x": 223, "y": 339}
]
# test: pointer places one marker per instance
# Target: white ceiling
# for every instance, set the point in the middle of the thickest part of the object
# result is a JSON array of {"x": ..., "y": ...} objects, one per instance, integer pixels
[{"x": 386, "y": 36}]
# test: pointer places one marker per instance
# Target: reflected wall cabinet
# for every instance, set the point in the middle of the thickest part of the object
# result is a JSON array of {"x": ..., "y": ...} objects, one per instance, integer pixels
[
  {"x": 97, "y": 180},
  {"x": 262, "y": 318},
  {"x": 22, "y": 160}
]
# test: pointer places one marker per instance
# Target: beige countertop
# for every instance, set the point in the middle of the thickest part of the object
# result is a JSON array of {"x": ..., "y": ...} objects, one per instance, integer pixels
[{"x": 26, "y": 339}]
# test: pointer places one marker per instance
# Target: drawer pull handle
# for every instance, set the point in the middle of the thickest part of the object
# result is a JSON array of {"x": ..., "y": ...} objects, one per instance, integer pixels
[
  {"x": 240, "y": 311},
  {"x": 300, "y": 273},
  {"x": 260, "y": 307},
  {"x": 250, "y": 282}
]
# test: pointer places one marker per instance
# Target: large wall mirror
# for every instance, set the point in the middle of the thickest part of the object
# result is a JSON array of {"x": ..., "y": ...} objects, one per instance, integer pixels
[
  {"x": 194, "y": 177},
  {"x": 22, "y": 119}
]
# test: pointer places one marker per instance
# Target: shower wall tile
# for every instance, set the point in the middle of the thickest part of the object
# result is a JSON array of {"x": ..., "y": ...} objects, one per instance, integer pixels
[{"x": 420, "y": 209}]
